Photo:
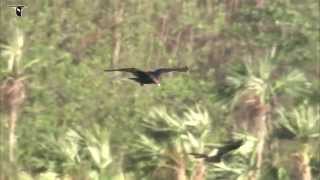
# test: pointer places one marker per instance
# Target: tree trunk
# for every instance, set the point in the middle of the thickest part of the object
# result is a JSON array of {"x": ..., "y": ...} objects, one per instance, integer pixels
[
  {"x": 12, "y": 133},
  {"x": 180, "y": 167},
  {"x": 251, "y": 116},
  {"x": 259, "y": 155},
  {"x": 116, "y": 34},
  {"x": 301, "y": 169},
  {"x": 12, "y": 96},
  {"x": 200, "y": 171},
  {"x": 259, "y": 3}
]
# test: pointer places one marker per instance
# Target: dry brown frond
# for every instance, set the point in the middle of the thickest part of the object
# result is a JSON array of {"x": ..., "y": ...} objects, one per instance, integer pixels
[{"x": 12, "y": 92}]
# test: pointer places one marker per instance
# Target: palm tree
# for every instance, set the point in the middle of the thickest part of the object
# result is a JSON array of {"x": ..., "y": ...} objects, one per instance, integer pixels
[
  {"x": 303, "y": 125},
  {"x": 257, "y": 87},
  {"x": 92, "y": 142},
  {"x": 168, "y": 139},
  {"x": 12, "y": 89}
]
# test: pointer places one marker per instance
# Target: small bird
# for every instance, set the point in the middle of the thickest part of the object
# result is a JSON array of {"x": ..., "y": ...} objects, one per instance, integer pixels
[
  {"x": 19, "y": 9},
  {"x": 148, "y": 77},
  {"x": 216, "y": 158}
]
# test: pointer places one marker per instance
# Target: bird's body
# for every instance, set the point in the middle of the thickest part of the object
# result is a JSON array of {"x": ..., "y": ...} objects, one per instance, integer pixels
[
  {"x": 18, "y": 8},
  {"x": 230, "y": 146},
  {"x": 148, "y": 77}
]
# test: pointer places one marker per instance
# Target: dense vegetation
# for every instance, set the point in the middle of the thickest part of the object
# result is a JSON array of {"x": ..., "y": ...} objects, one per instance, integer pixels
[{"x": 254, "y": 74}]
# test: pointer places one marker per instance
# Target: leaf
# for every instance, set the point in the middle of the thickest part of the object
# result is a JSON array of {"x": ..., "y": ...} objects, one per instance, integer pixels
[
  {"x": 31, "y": 63},
  {"x": 24, "y": 176},
  {"x": 95, "y": 154},
  {"x": 48, "y": 176},
  {"x": 193, "y": 141}
]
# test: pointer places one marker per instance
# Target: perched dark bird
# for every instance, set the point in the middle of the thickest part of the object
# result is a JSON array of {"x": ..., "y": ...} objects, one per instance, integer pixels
[
  {"x": 230, "y": 146},
  {"x": 148, "y": 77}
]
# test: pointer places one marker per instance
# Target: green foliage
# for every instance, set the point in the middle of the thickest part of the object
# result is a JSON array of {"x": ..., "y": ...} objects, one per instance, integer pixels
[
  {"x": 303, "y": 121},
  {"x": 259, "y": 78},
  {"x": 241, "y": 163},
  {"x": 167, "y": 132},
  {"x": 78, "y": 122}
]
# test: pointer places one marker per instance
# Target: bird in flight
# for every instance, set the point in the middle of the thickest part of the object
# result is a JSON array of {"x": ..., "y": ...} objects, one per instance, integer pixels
[
  {"x": 148, "y": 77},
  {"x": 216, "y": 158}
]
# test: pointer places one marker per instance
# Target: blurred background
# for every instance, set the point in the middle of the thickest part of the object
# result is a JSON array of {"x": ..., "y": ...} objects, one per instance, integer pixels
[{"x": 254, "y": 75}]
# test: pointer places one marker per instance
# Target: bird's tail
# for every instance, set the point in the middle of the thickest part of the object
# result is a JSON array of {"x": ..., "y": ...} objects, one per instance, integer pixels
[
  {"x": 186, "y": 68},
  {"x": 110, "y": 70},
  {"x": 132, "y": 70},
  {"x": 136, "y": 80}
]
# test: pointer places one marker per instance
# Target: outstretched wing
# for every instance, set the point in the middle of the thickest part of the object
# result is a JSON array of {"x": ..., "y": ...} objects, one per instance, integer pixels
[
  {"x": 134, "y": 71},
  {"x": 232, "y": 145},
  {"x": 160, "y": 71},
  {"x": 199, "y": 155},
  {"x": 211, "y": 159}
]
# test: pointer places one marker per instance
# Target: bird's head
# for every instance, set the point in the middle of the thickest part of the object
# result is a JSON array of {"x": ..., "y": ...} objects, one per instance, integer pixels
[{"x": 155, "y": 80}]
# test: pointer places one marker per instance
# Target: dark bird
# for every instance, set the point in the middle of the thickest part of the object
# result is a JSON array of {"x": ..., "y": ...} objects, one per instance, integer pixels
[
  {"x": 148, "y": 77},
  {"x": 230, "y": 146},
  {"x": 19, "y": 9}
]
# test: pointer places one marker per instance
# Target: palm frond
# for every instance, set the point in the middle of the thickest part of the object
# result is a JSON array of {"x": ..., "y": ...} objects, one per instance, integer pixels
[
  {"x": 303, "y": 121},
  {"x": 13, "y": 51}
]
